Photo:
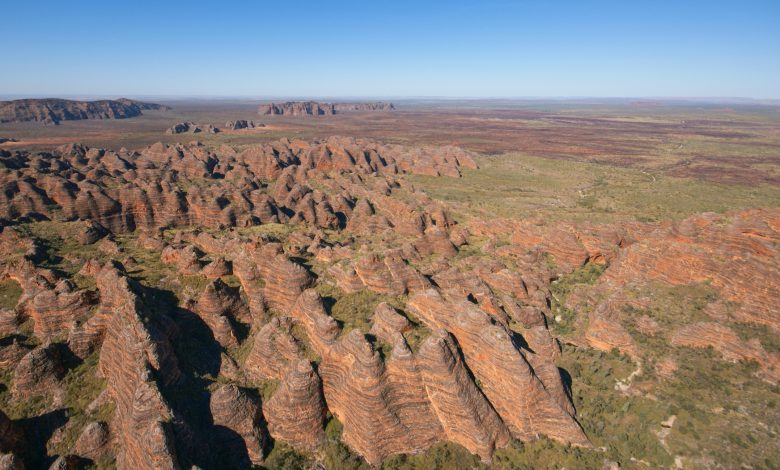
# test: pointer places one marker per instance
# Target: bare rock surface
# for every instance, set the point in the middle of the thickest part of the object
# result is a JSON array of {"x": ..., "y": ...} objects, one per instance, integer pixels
[{"x": 237, "y": 418}]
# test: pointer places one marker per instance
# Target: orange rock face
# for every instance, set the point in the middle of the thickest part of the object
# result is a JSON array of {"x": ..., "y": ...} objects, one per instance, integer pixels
[
  {"x": 235, "y": 412},
  {"x": 220, "y": 306},
  {"x": 465, "y": 414},
  {"x": 273, "y": 352},
  {"x": 730, "y": 252},
  {"x": 605, "y": 331},
  {"x": 41, "y": 368},
  {"x": 296, "y": 412},
  {"x": 521, "y": 399},
  {"x": 139, "y": 194},
  {"x": 371, "y": 407}
]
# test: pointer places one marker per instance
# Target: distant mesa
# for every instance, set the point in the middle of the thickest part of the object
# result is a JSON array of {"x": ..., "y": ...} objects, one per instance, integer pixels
[
  {"x": 53, "y": 110},
  {"x": 191, "y": 128},
  {"x": 241, "y": 124},
  {"x": 315, "y": 108}
]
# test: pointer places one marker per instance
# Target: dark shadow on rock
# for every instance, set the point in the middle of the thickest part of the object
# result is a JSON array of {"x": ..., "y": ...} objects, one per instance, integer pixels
[
  {"x": 327, "y": 304},
  {"x": 67, "y": 358},
  {"x": 519, "y": 342},
  {"x": 566, "y": 379},
  {"x": 231, "y": 450},
  {"x": 37, "y": 432},
  {"x": 241, "y": 330},
  {"x": 342, "y": 220},
  {"x": 196, "y": 348}
]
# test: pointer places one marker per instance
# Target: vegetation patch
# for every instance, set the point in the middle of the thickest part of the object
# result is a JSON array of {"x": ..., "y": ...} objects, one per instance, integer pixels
[
  {"x": 267, "y": 388},
  {"x": 565, "y": 319},
  {"x": 82, "y": 386},
  {"x": 278, "y": 231},
  {"x": 516, "y": 185},
  {"x": 354, "y": 310},
  {"x": 62, "y": 252},
  {"x": 10, "y": 292}
]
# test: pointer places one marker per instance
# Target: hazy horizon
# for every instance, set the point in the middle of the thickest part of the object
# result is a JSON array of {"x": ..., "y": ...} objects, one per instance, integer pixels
[
  {"x": 401, "y": 99},
  {"x": 494, "y": 49}
]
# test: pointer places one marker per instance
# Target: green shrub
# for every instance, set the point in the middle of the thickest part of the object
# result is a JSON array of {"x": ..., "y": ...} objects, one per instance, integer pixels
[{"x": 10, "y": 292}]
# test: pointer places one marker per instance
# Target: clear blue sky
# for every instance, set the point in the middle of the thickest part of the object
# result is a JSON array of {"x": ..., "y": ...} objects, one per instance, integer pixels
[{"x": 396, "y": 48}]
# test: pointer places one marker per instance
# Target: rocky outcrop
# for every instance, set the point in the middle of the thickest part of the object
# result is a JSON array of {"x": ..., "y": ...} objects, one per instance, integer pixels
[
  {"x": 386, "y": 322},
  {"x": 296, "y": 411},
  {"x": 189, "y": 127},
  {"x": 136, "y": 354},
  {"x": 237, "y": 418},
  {"x": 182, "y": 185},
  {"x": 94, "y": 441},
  {"x": 54, "y": 311},
  {"x": 727, "y": 251},
  {"x": 296, "y": 108},
  {"x": 375, "y": 106},
  {"x": 52, "y": 110},
  {"x": 321, "y": 329},
  {"x": 606, "y": 332},
  {"x": 239, "y": 124},
  {"x": 284, "y": 281},
  {"x": 221, "y": 306},
  {"x": 389, "y": 274},
  {"x": 509, "y": 382},
  {"x": 466, "y": 416},
  {"x": 39, "y": 370},
  {"x": 382, "y": 407},
  {"x": 90, "y": 232},
  {"x": 381, "y": 416},
  {"x": 217, "y": 268},
  {"x": 314, "y": 108},
  {"x": 274, "y": 351},
  {"x": 285, "y": 217},
  {"x": 569, "y": 245},
  {"x": 186, "y": 258}
]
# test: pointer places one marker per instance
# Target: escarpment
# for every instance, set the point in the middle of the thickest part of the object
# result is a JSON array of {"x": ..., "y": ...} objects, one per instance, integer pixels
[{"x": 52, "y": 111}]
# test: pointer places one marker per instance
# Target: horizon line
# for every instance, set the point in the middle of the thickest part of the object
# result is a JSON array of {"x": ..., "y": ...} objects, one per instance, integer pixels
[{"x": 100, "y": 96}]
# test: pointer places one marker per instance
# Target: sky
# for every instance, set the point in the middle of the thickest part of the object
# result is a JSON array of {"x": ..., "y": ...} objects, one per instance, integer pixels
[{"x": 372, "y": 48}]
